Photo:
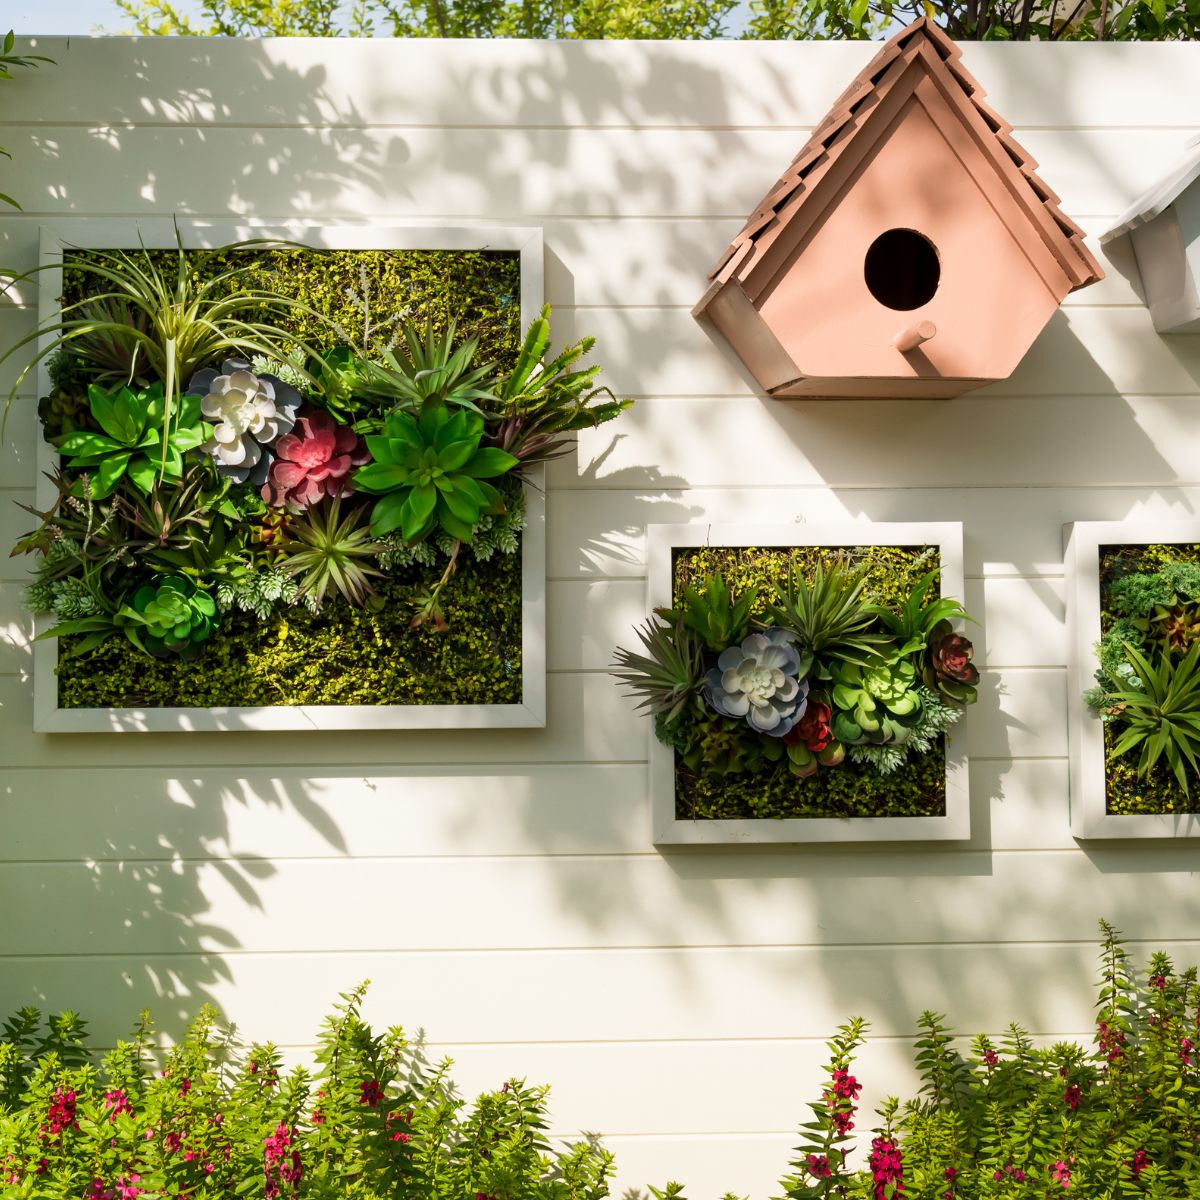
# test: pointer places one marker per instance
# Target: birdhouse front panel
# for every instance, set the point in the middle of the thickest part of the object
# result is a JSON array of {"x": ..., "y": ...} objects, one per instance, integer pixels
[{"x": 910, "y": 251}]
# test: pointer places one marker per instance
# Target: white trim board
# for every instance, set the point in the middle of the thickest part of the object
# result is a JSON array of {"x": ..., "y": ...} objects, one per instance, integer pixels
[
  {"x": 159, "y": 233},
  {"x": 955, "y": 825},
  {"x": 1081, "y": 555}
]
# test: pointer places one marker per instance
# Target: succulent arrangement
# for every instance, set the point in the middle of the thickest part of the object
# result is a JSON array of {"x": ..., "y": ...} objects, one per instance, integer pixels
[
  {"x": 1148, "y": 683},
  {"x": 224, "y": 447},
  {"x": 802, "y": 676}
]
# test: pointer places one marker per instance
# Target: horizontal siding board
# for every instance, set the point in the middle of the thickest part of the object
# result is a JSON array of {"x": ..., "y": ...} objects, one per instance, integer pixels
[
  {"x": 1016, "y": 531},
  {"x": 307, "y": 81},
  {"x": 792, "y": 899},
  {"x": 467, "y": 171},
  {"x": 532, "y": 811},
  {"x": 589, "y": 995},
  {"x": 711, "y": 442}
]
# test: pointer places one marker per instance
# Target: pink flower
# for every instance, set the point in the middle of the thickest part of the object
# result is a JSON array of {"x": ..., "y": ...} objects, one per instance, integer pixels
[
  {"x": 1072, "y": 1096},
  {"x": 117, "y": 1103},
  {"x": 1061, "y": 1173},
  {"x": 171, "y": 1142},
  {"x": 887, "y": 1168},
  {"x": 60, "y": 1116},
  {"x": 990, "y": 1059},
  {"x": 818, "y": 1166},
  {"x": 371, "y": 1092},
  {"x": 1140, "y": 1161},
  {"x": 1158, "y": 981},
  {"x": 314, "y": 461},
  {"x": 845, "y": 1085},
  {"x": 185, "y": 1087}
]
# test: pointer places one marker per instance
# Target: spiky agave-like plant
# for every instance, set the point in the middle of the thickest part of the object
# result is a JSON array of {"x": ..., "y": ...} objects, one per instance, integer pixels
[
  {"x": 668, "y": 674},
  {"x": 830, "y": 616},
  {"x": 326, "y": 550}
]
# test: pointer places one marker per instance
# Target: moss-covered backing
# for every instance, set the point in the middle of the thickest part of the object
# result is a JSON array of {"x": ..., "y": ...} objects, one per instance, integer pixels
[
  {"x": 479, "y": 289},
  {"x": 341, "y": 655},
  {"x": 1127, "y": 792},
  {"x": 917, "y": 789},
  {"x": 344, "y": 655}
]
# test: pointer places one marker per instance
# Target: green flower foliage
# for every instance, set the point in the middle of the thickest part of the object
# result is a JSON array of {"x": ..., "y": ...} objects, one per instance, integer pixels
[
  {"x": 339, "y": 655},
  {"x": 210, "y": 1118}
]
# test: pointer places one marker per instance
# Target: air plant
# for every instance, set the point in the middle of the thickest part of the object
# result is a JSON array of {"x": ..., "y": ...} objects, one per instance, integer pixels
[
  {"x": 180, "y": 321},
  {"x": 668, "y": 675},
  {"x": 328, "y": 550}
]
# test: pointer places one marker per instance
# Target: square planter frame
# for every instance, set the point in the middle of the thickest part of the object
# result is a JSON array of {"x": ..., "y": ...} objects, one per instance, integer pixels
[
  {"x": 670, "y": 830},
  {"x": 1089, "y": 786},
  {"x": 159, "y": 234}
]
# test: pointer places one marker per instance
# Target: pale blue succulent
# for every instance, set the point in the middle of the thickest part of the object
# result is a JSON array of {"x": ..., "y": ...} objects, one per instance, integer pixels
[{"x": 759, "y": 681}]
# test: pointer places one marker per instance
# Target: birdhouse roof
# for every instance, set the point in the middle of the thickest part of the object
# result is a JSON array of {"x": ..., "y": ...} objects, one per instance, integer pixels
[
  {"x": 798, "y": 199},
  {"x": 1160, "y": 197}
]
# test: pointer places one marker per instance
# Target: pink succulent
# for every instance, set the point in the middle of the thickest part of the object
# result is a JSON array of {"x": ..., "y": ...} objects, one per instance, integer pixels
[{"x": 312, "y": 462}]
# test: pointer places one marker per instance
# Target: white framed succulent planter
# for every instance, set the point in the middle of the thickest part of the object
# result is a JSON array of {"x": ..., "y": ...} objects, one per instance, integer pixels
[
  {"x": 807, "y": 719},
  {"x": 302, "y": 465},
  {"x": 1132, "y": 584}
]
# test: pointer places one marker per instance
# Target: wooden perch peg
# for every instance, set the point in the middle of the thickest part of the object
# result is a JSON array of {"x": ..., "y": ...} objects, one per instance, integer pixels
[{"x": 910, "y": 338}]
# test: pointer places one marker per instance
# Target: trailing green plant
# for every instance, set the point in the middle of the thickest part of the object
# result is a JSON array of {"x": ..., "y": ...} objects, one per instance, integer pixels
[
  {"x": 9, "y": 60},
  {"x": 209, "y": 1118}
]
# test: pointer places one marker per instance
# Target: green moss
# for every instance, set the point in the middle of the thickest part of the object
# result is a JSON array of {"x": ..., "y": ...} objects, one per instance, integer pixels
[
  {"x": 1126, "y": 791},
  {"x": 917, "y": 789},
  {"x": 892, "y": 571},
  {"x": 341, "y": 655},
  {"x": 480, "y": 289}
]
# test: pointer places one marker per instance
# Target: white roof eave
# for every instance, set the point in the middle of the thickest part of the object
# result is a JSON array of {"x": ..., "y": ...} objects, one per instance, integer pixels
[{"x": 1160, "y": 197}]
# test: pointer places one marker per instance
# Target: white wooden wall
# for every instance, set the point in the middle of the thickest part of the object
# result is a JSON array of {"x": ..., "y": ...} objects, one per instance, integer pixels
[{"x": 499, "y": 888}]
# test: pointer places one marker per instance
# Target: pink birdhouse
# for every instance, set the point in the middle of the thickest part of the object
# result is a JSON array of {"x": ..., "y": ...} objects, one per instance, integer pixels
[{"x": 910, "y": 251}]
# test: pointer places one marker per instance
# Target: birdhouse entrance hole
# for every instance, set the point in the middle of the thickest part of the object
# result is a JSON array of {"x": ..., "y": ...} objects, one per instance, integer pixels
[{"x": 902, "y": 269}]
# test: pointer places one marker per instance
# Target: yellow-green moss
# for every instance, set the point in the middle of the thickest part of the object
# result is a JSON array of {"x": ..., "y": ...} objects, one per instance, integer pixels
[
  {"x": 891, "y": 571},
  {"x": 917, "y": 789},
  {"x": 1127, "y": 792},
  {"x": 341, "y": 655},
  {"x": 479, "y": 289}
]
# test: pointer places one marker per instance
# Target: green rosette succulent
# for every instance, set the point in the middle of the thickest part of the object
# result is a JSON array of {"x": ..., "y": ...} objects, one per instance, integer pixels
[
  {"x": 130, "y": 440},
  {"x": 877, "y": 703},
  {"x": 429, "y": 472},
  {"x": 169, "y": 617}
]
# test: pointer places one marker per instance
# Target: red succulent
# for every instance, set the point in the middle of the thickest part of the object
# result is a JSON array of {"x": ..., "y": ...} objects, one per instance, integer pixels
[
  {"x": 812, "y": 730},
  {"x": 313, "y": 461}
]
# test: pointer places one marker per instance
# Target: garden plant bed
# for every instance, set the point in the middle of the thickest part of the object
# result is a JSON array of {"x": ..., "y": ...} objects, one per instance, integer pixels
[
  {"x": 1131, "y": 584},
  {"x": 920, "y": 794},
  {"x": 445, "y": 629}
]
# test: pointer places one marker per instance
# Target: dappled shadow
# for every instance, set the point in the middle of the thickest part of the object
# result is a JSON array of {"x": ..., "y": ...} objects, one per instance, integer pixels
[{"x": 500, "y": 886}]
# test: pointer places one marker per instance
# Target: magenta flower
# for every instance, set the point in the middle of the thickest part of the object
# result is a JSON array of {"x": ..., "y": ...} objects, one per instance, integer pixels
[
  {"x": 887, "y": 1168},
  {"x": 1061, "y": 1173},
  {"x": 117, "y": 1103},
  {"x": 371, "y": 1092},
  {"x": 1072, "y": 1096},
  {"x": 313, "y": 461},
  {"x": 60, "y": 1116},
  {"x": 818, "y": 1166}
]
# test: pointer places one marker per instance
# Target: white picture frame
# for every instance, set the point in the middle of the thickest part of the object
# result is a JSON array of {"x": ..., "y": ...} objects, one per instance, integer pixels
[
  {"x": 670, "y": 830},
  {"x": 1090, "y": 818},
  {"x": 160, "y": 233}
]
